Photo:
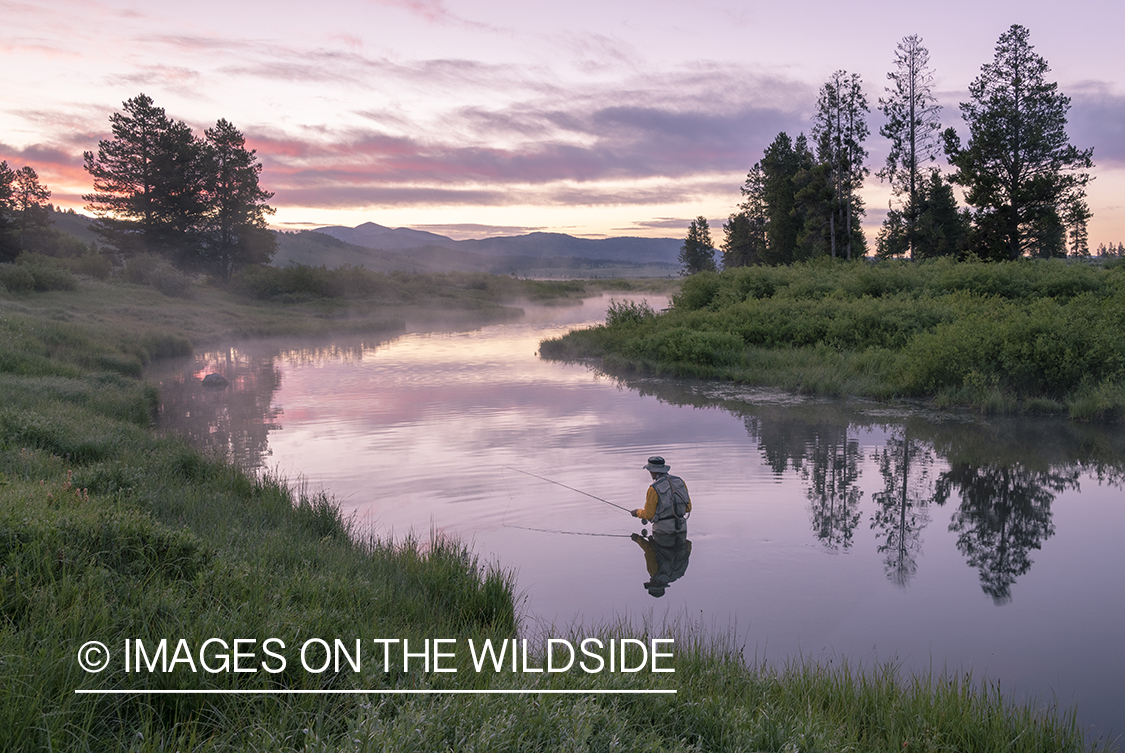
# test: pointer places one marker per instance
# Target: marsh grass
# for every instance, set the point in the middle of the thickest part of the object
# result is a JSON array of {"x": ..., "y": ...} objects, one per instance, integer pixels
[
  {"x": 1032, "y": 336},
  {"x": 109, "y": 533}
]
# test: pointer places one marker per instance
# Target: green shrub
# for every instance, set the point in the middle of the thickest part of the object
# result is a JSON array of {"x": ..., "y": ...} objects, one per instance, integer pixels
[
  {"x": 16, "y": 279},
  {"x": 158, "y": 273},
  {"x": 171, "y": 282},
  {"x": 698, "y": 291},
  {"x": 91, "y": 264},
  {"x": 623, "y": 312},
  {"x": 682, "y": 345},
  {"x": 50, "y": 277},
  {"x": 46, "y": 274}
]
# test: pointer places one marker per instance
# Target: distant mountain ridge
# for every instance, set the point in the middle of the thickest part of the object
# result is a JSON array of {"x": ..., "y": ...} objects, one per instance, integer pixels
[
  {"x": 532, "y": 245},
  {"x": 385, "y": 249}
]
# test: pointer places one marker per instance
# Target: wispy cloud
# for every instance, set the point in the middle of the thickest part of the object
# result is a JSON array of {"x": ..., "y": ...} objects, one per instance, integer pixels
[
  {"x": 464, "y": 230},
  {"x": 337, "y": 196},
  {"x": 59, "y": 169},
  {"x": 431, "y": 10},
  {"x": 187, "y": 82},
  {"x": 1097, "y": 119},
  {"x": 664, "y": 223},
  {"x": 562, "y": 148}
]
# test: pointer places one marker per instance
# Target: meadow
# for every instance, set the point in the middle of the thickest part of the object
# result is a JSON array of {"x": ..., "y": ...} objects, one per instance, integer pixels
[{"x": 111, "y": 532}]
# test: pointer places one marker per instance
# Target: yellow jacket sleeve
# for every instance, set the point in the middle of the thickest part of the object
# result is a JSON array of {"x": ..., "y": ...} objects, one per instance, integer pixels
[{"x": 648, "y": 512}]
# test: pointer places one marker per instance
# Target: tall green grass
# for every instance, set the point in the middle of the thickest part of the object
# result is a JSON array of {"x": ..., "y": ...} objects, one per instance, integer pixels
[{"x": 1031, "y": 335}]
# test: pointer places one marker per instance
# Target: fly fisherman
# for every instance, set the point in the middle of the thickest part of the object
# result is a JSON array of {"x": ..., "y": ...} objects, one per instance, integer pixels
[{"x": 667, "y": 503}]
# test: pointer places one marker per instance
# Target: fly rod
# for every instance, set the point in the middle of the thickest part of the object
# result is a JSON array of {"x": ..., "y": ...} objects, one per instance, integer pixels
[
  {"x": 568, "y": 533},
  {"x": 559, "y": 483}
]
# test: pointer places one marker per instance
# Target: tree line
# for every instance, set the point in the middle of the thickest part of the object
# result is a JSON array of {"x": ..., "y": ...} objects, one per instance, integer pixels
[
  {"x": 159, "y": 188},
  {"x": 1023, "y": 181},
  {"x": 23, "y": 208}
]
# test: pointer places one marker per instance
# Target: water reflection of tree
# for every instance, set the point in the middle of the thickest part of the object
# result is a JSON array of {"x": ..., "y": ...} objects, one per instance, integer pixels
[
  {"x": 828, "y": 459},
  {"x": 902, "y": 507},
  {"x": 233, "y": 422},
  {"x": 1005, "y": 513},
  {"x": 825, "y": 457},
  {"x": 1008, "y": 471},
  {"x": 784, "y": 443},
  {"x": 833, "y": 472}
]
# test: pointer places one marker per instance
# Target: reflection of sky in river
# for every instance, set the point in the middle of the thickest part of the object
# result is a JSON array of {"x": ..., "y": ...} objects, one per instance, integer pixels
[{"x": 417, "y": 433}]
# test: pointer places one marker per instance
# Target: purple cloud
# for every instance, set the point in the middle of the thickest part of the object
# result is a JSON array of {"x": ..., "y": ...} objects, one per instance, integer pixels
[{"x": 1097, "y": 119}]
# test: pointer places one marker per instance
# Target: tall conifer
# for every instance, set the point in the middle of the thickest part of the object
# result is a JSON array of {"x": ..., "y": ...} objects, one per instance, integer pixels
[
  {"x": 234, "y": 226},
  {"x": 147, "y": 181},
  {"x": 698, "y": 252},
  {"x": 1023, "y": 177},
  {"x": 913, "y": 129},
  {"x": 840, "y": 128}
]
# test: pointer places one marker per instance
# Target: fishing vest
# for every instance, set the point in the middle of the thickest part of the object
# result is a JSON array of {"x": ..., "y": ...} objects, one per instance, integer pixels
[{"x": 671, "y": 504}]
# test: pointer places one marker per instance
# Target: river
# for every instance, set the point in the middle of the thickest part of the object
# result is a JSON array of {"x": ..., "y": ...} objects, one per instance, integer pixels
[{"x": 821, "y": 528}]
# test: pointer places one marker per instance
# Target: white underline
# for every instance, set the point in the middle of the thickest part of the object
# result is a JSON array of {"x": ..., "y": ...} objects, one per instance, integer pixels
[{"x": 376, "y": 691}]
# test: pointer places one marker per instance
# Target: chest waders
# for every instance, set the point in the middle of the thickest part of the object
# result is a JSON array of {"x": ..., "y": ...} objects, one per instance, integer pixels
[{"x": 671, "y": 504}]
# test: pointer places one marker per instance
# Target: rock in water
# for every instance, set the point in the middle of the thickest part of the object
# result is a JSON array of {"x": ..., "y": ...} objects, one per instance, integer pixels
[{"x": 215, "y": 380}]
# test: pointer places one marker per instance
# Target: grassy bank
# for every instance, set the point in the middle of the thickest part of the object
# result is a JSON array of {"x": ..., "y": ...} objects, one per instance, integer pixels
[
  {"x": 1032, "y": 336},
  {"x": 109, "y": 533}
]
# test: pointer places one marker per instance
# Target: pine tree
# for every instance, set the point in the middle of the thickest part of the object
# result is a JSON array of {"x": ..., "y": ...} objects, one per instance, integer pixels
[
  {"x": 29, "y": 198},
  {"x": 1024, "y": 179},
  {"x": 814, "y": 211},
  {"x": 698, "y": 252},
  {"x": 912, "y": 127},
  {"x": 781, "y": 162},
  {"x": 743, "y": 240},
  {"x": 940, "y": 228},
  {"x": 234, "y": 226},
  {"x": 745, "y": 232},
  {"x": 7, "y": 179},
  {"x": 147, "y": 182},
  {"x": 9, "y": 246},
  {"x": 840, "y": 128}
]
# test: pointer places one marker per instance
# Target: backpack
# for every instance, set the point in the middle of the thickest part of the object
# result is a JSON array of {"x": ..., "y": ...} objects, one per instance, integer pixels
[{"x": 673, "y": 499}]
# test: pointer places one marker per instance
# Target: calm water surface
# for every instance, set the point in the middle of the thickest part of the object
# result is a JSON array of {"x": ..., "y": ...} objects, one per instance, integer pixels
[{"x": 821, "y": 528}]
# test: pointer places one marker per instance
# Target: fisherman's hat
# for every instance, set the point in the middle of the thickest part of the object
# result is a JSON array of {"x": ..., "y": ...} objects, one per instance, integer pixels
[{"x": 656, "y": 465}]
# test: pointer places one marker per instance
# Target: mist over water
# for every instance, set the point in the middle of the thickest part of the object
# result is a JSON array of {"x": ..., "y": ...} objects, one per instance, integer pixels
[{"x": 821, "y": 528}]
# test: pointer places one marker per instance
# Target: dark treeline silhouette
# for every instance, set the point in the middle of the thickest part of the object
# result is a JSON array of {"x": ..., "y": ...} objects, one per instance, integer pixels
[
  {"x": 161, "y": 189},
  {"x": 24, "y": 210},
  {"x": 1024, "y": 182}
]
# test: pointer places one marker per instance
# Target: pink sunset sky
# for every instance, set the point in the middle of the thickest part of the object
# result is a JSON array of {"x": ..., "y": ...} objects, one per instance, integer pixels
[{"x": 474, "y": 118}]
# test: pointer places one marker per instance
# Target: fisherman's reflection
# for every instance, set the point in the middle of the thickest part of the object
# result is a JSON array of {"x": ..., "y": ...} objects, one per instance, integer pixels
[{"x": 666, "y": 557}]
